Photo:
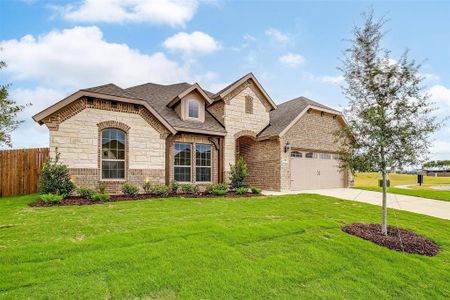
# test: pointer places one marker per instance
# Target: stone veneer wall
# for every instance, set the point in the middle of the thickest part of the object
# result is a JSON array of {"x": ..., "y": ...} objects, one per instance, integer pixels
[
  {"x": 313, "y": 131},
  {"x": 78, "y": 142},
  {"x": 192, "y": 139},
  {"x": 236, "y": 120},
  {"x": 263, "y": 162}
]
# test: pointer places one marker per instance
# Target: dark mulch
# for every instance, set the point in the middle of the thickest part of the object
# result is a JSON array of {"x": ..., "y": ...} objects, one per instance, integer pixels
[
  {"x": 74, "y": 200},
  {"x": 410, "y": 241}
]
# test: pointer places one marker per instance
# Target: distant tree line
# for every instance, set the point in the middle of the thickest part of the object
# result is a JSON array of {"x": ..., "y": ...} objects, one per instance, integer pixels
[{"x": 437, "y": 164}]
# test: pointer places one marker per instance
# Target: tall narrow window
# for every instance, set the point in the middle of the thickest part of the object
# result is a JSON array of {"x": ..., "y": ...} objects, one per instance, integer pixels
[
  {"x": 249, "y": 104},
  {"x": 202, "y": 163},
  {"x": 182, "y": 162},
  {"x": 193, "y": 109},
  {"x": 113, "y": 154}
]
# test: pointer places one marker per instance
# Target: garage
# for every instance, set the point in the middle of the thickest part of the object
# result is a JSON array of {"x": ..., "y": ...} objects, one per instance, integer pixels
[{"x": 315, "y": 170}]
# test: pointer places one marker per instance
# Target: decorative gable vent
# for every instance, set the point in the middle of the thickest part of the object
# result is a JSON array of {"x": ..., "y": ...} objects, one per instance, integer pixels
[{"x": 249, "y": 104}]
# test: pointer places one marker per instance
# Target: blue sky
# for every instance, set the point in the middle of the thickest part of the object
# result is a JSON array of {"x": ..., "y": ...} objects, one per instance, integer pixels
[{"x": 54, "y": 48}]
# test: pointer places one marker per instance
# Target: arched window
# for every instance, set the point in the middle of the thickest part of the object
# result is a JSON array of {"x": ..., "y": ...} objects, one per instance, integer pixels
[
  {"x": 113, "y": 154},
  {"x": 193, "y": 109},
  {"x": 296, "y": 154}
]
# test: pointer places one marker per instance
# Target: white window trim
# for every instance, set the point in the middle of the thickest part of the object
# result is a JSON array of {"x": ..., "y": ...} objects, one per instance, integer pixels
[
  {"x": 183, "y": 166},
  {"x": 210, "y": 166},
  {"x": 108, "y": 159},
  {"x": 198, "y": 112}
]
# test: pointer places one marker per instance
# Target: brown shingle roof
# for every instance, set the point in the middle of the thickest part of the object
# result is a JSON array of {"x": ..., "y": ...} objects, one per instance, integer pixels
[
  {"x": 112, "y": 90},
  {"x": 286, "y": 112},
  {"x": 158, "y": 96}
]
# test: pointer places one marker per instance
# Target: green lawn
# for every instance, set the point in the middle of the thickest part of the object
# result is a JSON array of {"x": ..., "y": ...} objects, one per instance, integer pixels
[
  {"x": 423, "y": 193},
  {"x": 247, "y": 248},
  {"x": 369, "y": 181}
]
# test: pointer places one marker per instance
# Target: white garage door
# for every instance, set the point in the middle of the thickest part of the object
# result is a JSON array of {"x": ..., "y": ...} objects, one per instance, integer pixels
[{"x": 313, "y": 170}]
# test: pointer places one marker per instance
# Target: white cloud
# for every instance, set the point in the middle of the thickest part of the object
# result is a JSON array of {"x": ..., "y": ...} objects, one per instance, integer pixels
[
  {"x": 440, "y": 150},
  {"x": 248, "y": 38},
  {"x": 277, "y": 36},
  {"x": 190, "y": 43},
  {"x": 323, "y": 79},
  {"x": 440, "y": 94},
  {"x": 171, "y": 12},
  {"x": 292, "y": 59},
  {"x": 215, "y": 87},
  {"x": 80, "y": 57},
  {"x": 332, "y": 79},
  {"x": 30, "y": 134}
]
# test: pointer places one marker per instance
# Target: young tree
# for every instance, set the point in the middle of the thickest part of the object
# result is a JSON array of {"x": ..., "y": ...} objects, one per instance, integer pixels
[
  {"x": 8, "y": 113},
  {"x": 388, "y": 114}
]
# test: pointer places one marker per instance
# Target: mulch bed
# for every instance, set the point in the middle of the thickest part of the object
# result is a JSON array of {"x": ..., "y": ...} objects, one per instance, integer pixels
[
  {"x": 410, "y": 241},
  {"x": 75, "y": 200}
]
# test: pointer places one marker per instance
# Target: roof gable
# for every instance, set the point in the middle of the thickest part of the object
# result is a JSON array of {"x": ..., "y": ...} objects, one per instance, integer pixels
[
  {"x": 194, "y": 88},
  {"x": 229, "y": 91}
]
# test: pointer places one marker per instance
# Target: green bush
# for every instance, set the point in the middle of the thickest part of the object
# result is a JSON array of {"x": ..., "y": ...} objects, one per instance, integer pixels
[
  {"x": 218, "y": 192},
  {"x": 161, "y": 190},
  {"x": 101, "y": 197},
  {"x": 55, "y": 178},
  {"x": 238, "y": 173},
  {"x": 85, "y": 192},
  {"x": 130, "y": 189},
  {"x": 255, "y": 190},
  {"x": 187, "y": 188},
  {"x": 196, "y": 189},
  {"x": 174, "y": 186},
  {"x": 51, "y": 198},
  {"x": 241, "y": 190},
  {"x": 218, "y": 186},
  {"x": 102, "y": 187},
  {"x": 148, "y": 187}
]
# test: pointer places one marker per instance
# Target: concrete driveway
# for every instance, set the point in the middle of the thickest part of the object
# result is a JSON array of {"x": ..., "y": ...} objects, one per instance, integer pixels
[{"x": 434, "y": 208}]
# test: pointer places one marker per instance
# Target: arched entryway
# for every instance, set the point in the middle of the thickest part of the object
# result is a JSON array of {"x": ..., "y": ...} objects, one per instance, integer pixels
[{"x": 246, "y": 145}]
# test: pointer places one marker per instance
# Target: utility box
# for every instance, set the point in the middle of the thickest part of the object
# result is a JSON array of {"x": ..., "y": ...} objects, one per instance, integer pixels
[
  {"x": 388, "y": 183},
  {"x": 420, "y": 179}
]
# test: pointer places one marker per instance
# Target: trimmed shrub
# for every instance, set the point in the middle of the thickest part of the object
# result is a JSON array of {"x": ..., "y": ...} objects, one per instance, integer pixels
[
  {"x": 174, "y": 186},
  {"x": 148, "y": 187},
  {"x": 161, "y": 190},
  {"x": 51, "y": 198},
  {"x": 241, "y": 190},
  {"x": 85, "y": 192},
  {"x": 55, "y": 178},
  {"x": 218, "y": 192},
  {"x": 101, "y": 197},
  {"x": 218, "y": 186},
  {"x": 130, "y": 189},
  {"x": 239, "y": 174},
  {"x": 255, "y": 190},
  {"x": 187, "y": 188},
  {"x": 196, "y": 189},
  {"x": 102, "y": 187}
]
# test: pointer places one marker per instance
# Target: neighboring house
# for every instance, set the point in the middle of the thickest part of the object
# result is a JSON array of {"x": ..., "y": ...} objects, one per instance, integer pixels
[
  {"x": 437, "y": 172},
  {"x": 181, "y": 132}
]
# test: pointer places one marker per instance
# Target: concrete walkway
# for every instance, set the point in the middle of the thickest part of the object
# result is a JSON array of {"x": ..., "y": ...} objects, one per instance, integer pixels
[{"x": 434, "y": 208}]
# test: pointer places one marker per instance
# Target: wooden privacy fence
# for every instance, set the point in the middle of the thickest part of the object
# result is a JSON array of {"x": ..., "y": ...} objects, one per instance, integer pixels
[{"x": 20, "y": 170}]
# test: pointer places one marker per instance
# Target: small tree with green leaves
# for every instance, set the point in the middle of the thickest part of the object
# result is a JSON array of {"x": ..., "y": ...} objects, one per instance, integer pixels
[
  {"x": 389, "y": 116},
  {"x": 55, "y": 178},
  {"x": 8, "y": 113},
  {"x": 239, "y": 174}
]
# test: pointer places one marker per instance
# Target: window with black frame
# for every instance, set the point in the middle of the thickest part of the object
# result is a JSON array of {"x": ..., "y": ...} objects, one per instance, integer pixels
[
  {"x": 182, "y": 162},
  {"x": 203, "y": 163},
  {"x": 113, "y": 154}
]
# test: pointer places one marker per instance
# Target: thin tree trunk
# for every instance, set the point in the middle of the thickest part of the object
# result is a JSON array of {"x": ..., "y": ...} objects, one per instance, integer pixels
[{"x": 384, "y": 218}]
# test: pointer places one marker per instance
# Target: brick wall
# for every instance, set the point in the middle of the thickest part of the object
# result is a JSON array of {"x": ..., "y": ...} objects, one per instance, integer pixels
[
  {"x": 236, "y": 120},
  {"x": 192, "y": 139},
  {"x": 263, "y": 162},
  {"x": 313, "y": 131},
  {"x": 75, "y": 132}
]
